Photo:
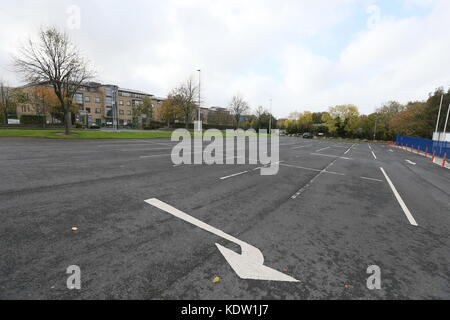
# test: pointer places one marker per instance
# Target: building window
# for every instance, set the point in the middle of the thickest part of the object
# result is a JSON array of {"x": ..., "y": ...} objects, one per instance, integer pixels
[
  {"x": 121, "y": 111},
  {"x": 87, "y": 99},
  {"x": 97, "y": 100},
  {"x": 129, "y": 112},
  {"x": 88, "y": 110},
  {"x": 128, "y": 103},
  {"x": 121, "y": 102},
  {"x": 98, "y": 110}
]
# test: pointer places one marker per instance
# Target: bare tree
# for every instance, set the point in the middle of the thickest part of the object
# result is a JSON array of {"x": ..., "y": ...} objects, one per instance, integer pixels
[
  {"x": 185, "y": 98},
  {"x": 238, "y": 107},
  {"x": 54, "y": 59}
]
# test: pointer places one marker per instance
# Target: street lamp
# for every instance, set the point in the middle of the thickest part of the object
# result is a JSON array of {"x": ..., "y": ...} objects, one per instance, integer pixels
[
  {"x": 270, "y": 117},
  {"x": 375, "y": 130},
  {"x": 199, "y": 98}
]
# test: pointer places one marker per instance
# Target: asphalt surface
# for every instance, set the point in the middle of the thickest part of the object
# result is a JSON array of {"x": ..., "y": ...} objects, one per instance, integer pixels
[{"x": 324, "y": 228}]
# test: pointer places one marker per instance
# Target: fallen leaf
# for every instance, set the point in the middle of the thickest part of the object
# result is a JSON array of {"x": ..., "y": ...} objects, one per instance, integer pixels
[
  {"x": 216, "y": 280},
  {"x": 74, "y": 229}
]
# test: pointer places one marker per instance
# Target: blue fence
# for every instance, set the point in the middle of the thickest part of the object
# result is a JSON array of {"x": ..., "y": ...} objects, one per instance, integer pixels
[{"x": 439, "y": 148}]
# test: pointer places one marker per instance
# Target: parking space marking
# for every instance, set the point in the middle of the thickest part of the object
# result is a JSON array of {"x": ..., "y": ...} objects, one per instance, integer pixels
[
  {"x": 408, "y": 214},
  {"x": 144, "y": 149},
  {"x": 312, "y": 169},
  {"x": 373, "y": 153},
  {"x": 295, "y": 196},
  {"x": 323, "y": 149},
  {"x": 234, "y": 175},
  {"x": 330, "y": 156},
  {"x": 155, "y": 156},
  {"x": 372, "y": 179},
  {"x": 302, "y": 147}
]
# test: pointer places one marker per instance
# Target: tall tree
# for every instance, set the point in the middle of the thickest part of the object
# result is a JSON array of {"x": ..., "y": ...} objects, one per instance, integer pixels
[
  {"x": 54, "y": 59},
  {"x": 238, "y": 106},
  {"x": 45, "y": 102},
  {"x": 170, "y": 110},
  {"x": 184, "y": 98},
  {"x": 144, "y": 109},
  {"x": 9, "y": 99}
]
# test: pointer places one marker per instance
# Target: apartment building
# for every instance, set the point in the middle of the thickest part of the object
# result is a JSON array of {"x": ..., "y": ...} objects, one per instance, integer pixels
[{"x": 97, "y": 103}]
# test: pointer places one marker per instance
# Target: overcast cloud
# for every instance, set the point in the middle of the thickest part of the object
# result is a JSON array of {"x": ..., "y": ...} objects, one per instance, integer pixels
[{"x": 305, "y": 55}]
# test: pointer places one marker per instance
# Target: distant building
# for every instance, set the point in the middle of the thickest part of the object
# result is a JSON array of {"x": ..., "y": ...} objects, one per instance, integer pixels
[{"x": 98, "y": 103}]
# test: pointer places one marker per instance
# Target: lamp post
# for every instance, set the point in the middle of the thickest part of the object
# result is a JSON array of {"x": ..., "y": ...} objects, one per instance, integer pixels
[
  {"x": 375, "y": 130},
  {"x": 270, "y": 119},
  {"x": 199, "y": 98}
]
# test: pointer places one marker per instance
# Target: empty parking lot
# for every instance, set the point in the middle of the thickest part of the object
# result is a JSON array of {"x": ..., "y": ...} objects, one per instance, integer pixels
[{"x": 333, "y": 209}]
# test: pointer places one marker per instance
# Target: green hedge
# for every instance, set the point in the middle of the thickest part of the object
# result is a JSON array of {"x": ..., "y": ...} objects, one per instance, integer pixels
[{"x": 28, "y": 119}]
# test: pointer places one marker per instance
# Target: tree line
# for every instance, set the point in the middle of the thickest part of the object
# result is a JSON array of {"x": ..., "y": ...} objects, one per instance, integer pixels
[{"x": 416, "y": 118}]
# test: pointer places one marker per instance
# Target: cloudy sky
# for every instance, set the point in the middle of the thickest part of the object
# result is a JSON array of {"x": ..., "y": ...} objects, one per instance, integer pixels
[{"x": 305, "y": 55}]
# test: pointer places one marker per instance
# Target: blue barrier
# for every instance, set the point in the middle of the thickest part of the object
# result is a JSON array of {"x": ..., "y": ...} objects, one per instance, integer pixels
[{"x": 438, "y": 148}]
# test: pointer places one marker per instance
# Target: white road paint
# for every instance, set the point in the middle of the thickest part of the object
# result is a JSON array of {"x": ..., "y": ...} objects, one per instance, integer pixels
[
  {"x": 301, "y": 147},
  {"x": 144, "y": 149},
  {"x": 156, "y": 156},
  {"x": 266, "y": 166},
  {"x": 390, "y": 150},
  {"x": 371, "y": 179},
  {"x": 410, "y": 162},
  {"x": 234, "y": 175},
  {"x": 370, "y": 147},
  {"x": 323, "y": 149},
  {"x": 330, "y": 156},
  {"x": 400, "y": 200},
  {"x": 299, "y": 192},
  {"x": 311, "y": 169},
  {"x": 247, "y": 265},
  {"x": 373, "y": 153}
]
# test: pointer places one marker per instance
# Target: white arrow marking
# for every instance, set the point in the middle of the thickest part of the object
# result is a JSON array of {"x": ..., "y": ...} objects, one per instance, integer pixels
[
  {"x": 247, "y": 265},
  {"x": 410, "y": 162}
]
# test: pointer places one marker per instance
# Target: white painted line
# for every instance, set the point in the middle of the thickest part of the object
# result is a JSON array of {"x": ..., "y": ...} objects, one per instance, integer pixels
[
  {"x": 410, "y": 162},
  {"x": 311, "y": 169},
  {"x": 371, "y": 179},
  {"x": 299, "y": 192},
  {"x": 374, "y": 155},
  {"x": 390, "y": 150},
  {"x": 143, "y": 149},
  {"x": 300, "y": 147},
  {"x": 400, "y": 200},
  {"x": 234, "y": 175},
  {"x": 247, "y": 265},
  {"x": 370, "y": 147},
  {"x": 330, "y": 156},
  {"x": 323, "y": 149},
  {"x": 155, "y": 156}
]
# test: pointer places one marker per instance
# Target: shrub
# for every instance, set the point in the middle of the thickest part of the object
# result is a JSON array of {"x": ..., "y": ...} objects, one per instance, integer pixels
[{"x": 31, "y": 119}]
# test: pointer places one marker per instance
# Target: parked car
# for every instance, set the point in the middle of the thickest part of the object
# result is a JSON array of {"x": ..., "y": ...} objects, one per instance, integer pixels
[
  {"x": 308, "y": 135},
  {"x": 94, "y": 126}
]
